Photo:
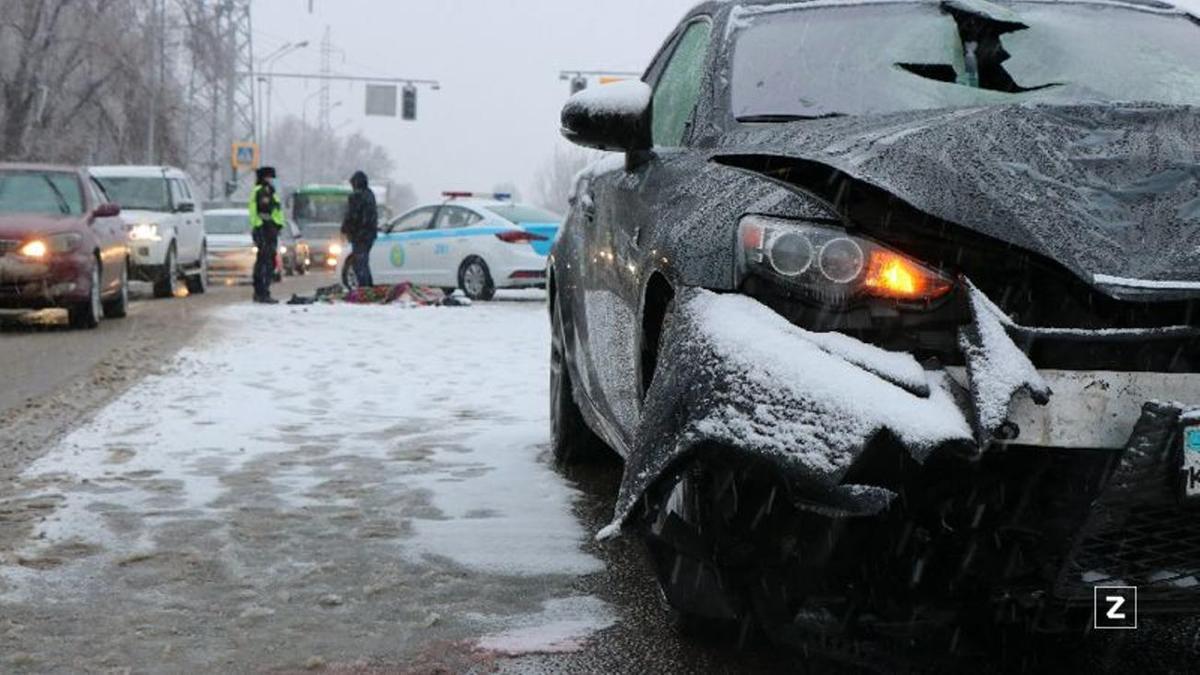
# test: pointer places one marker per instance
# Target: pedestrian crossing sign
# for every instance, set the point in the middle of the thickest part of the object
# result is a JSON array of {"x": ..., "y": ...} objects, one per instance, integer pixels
[{"x": 245, "y": 156}]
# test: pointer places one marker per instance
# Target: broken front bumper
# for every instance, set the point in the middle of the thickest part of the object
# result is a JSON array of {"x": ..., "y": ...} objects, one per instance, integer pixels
[{"x": 995, "y": 484}]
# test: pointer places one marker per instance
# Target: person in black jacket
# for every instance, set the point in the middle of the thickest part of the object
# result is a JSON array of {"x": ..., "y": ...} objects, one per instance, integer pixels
[{"x": 361, "y": 226}]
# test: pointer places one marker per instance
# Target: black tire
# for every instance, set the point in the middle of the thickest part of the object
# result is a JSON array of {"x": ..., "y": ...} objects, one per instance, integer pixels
[
  {"x": 571, "y": 440},
  {"x": 86, "y": 315},
  {"x": 349, "y": 278},
  {"x": 118, "y": 307},
  {"x": 198, "y": 283},
  {"x": 165, "y": 285},
  {"x": 475, "y": 279}
]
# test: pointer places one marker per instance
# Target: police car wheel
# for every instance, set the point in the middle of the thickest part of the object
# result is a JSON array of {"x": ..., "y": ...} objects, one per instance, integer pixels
[{"x": 475, "y": 280}]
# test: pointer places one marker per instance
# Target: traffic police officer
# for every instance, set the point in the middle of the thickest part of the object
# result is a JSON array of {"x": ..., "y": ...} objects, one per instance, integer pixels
[{"x": 266, "y": 220}]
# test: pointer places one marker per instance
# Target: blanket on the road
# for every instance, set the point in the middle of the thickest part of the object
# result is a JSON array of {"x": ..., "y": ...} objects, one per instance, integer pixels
[{"x": 405, "y": 294}]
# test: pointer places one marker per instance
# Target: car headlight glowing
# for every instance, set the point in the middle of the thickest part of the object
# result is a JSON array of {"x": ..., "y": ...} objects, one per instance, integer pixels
[
  {"x": 822, "y": 261},
  {"x": 335, "y": 249},
  {"x": 145, "y": 232},
  {"x": 53, "y": 245},
  {"x": 35, "y": 249},
  {"x": 282, "y": 250}
]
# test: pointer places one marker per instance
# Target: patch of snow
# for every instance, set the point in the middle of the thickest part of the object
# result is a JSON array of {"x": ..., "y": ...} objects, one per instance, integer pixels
[
  {"x": 563, "y": 625},
  {"x": 348, "y": 404},
  {"x": 853, "y": 383},
  {"x": 628, "y": 98}
]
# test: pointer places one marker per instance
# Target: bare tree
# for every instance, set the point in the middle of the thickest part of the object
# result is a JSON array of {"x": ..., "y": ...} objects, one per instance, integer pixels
[{"x": 556, "y": 178}]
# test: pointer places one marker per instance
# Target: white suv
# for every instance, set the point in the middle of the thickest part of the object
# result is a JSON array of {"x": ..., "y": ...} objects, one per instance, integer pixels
[{"x": 166, "y": 230}]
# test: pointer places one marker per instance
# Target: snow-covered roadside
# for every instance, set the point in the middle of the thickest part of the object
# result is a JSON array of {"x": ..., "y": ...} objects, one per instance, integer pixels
[{"x": 364, "y": 461}]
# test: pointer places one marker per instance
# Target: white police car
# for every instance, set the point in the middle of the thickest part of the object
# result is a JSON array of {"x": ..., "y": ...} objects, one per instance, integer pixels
[{"x": 478, "y": 243}]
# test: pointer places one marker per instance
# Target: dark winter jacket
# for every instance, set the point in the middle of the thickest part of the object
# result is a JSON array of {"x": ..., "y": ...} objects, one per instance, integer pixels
[{"x": 362, "y": 215}]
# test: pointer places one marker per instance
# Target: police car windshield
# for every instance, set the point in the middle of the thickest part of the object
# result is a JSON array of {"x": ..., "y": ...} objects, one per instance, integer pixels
[{"x": 519, "y": 213}]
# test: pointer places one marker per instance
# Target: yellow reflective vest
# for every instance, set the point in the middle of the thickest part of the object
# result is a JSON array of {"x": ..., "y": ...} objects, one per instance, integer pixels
[{"x": 276, "y": 212}]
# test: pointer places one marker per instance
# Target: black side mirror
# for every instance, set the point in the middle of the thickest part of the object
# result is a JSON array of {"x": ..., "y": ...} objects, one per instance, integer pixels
[
  {"x": 613, "y": 117},
  {"x": 185, "y": 207},
  {"x": 107, "y": 211}
]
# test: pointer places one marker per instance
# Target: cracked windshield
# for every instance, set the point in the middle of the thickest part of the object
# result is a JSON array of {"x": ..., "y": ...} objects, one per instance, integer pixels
[{"x": 582, "y": 336}]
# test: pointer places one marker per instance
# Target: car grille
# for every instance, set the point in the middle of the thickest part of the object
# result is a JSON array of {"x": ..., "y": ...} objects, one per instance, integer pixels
[
  {"x": 1139, "y": 534},
  {"x": 7, "y": 245}
]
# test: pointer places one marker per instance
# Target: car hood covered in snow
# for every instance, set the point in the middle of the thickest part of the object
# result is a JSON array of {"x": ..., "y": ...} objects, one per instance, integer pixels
[{"x": 1111, "y": 192}]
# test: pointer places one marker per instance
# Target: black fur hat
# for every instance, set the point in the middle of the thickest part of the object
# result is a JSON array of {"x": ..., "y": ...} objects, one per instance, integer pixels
[{"x": 265, "y": 172}]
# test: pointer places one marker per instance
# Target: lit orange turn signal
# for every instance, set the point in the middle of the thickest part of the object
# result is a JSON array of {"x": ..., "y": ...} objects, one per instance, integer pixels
[{"x": 891, "y": 275}]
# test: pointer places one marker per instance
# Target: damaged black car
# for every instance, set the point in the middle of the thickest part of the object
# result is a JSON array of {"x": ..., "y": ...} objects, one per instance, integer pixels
[{"x": 892, "y": 310}]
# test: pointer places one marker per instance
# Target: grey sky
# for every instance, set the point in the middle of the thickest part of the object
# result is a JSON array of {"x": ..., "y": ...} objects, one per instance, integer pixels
[{"x": 496, "y": 117}]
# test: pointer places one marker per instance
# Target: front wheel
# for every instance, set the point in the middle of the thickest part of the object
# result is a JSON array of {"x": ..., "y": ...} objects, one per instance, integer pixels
[
  {"x": 168, "y": 280},
  {"x": 475, "y": 279},
  {"x": 571, "y": 439},
  {"x": 118, "y": 307},
  {"x": 198, "y": 282},
  {"x": 87, "y": 314}
]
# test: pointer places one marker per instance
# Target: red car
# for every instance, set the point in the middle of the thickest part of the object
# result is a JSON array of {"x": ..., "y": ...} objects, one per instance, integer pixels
[{"x": 61, "y": 244}]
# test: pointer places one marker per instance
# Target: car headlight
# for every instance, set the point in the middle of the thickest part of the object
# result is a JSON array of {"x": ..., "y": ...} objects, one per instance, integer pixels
[
  {"x": 833, "y": 267},
  {"x": 282, "y": 250},
  {"x": 145, "y": 232},
  {"x": 53, "y": 245},
  {"x": 335, "y": 249}
]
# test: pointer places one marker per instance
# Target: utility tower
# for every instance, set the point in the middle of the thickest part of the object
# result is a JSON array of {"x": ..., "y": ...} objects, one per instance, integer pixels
[{"x": 222, "y": 95}]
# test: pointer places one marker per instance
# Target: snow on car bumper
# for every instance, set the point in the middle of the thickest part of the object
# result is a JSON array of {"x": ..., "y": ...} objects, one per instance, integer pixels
[{"x": 28, "y": 284}]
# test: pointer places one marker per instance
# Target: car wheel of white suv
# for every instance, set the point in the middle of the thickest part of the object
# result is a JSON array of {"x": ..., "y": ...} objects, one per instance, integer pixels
[
  {"x": 198, "y": 283},
  {"x": 168, "y": 280}
]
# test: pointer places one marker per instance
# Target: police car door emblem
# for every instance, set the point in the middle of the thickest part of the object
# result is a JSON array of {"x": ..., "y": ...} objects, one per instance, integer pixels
[{"x": 397, "y": 256}]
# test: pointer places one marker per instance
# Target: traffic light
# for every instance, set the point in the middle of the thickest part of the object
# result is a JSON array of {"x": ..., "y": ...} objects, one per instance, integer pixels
[
  {"x": 578, "y": 84},
  {"x": 408, "y": 106}
]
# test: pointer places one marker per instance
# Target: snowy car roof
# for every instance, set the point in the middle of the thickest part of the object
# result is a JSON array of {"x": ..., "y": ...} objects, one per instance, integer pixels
[{"x": 137, "y": 171}]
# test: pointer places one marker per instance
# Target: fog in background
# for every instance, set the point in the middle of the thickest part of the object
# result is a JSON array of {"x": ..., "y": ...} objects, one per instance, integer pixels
[{"x": 495, "y": 120}]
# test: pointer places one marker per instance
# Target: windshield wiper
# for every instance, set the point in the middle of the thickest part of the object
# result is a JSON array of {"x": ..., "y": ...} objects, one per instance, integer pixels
[
  {"x": 786, "y": 117},
  {"x": 63, "y": 206}
]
